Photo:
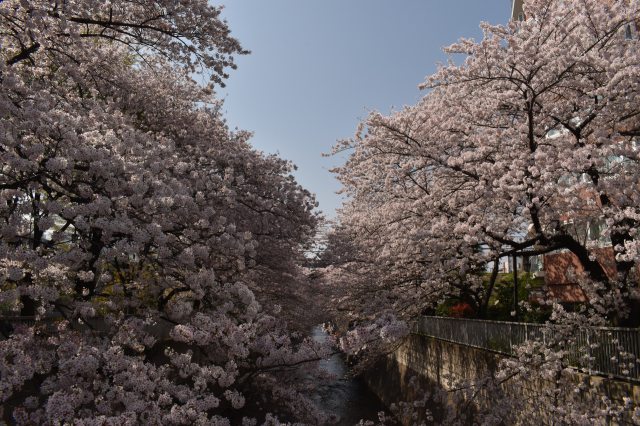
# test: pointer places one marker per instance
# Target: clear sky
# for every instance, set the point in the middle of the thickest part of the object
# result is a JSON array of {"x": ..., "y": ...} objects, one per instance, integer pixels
[{"x": 318, "y": 67}]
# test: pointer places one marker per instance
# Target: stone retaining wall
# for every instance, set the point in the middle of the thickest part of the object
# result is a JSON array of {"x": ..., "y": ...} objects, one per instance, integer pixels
[{"x": 440, "y": 365}]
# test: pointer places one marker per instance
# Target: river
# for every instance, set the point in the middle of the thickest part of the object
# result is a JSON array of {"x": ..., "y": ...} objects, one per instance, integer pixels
[{"x": 346, "y": 397}]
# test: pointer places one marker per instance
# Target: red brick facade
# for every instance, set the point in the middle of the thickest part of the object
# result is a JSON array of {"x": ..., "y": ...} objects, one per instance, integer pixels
[{"x": 561, "y": 267}]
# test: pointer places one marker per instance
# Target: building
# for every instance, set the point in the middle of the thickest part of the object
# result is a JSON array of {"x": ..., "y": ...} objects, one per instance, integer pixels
[
  {"x": 560, "y": 267},
  {"x": 517, "y": 14}
]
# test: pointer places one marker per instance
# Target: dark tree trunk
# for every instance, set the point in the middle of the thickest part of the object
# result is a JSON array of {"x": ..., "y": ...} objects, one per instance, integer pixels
[{"x": 482, "y": 312}]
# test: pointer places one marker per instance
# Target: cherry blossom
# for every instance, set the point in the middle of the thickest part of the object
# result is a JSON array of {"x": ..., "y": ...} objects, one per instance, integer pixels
[
  {"x": 522, "y": 138},
  {"x": 137, "y": 230}
]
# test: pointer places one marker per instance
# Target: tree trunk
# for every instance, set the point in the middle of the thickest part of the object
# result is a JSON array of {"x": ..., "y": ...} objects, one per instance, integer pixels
[{"x": 485, "y": 302}]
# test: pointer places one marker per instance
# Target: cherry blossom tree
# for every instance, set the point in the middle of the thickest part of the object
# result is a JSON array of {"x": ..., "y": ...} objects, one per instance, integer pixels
[
  {"x": 533, "y": 131},
  {"x": 137, "y": 230},
  {"x": 536, "y": 129}
]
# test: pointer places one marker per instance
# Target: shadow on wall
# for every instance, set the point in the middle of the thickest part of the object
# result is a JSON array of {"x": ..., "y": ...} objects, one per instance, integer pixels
[
  {"x": 443, "y": 370},
  {"x": 426, "y": 370},
  {"x": 395, "y": 383}
]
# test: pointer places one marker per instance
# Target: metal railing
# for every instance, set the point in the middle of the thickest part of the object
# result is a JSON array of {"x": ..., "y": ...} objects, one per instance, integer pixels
[{"x": 606, "y": 351}]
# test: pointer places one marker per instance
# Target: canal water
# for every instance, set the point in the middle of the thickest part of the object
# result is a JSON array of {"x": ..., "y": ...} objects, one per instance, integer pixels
[{"x": 348, "y": 398}]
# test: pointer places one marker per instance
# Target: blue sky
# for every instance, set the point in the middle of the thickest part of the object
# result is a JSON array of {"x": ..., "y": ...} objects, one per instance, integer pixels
[{"x": 317, "y": 68}]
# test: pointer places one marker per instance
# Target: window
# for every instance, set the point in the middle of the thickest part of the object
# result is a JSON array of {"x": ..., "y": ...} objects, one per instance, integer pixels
[
  {"x": 594, "y": 231},
  {"x": 629, "y": 30},
  {"x": 597, "y": 235}
]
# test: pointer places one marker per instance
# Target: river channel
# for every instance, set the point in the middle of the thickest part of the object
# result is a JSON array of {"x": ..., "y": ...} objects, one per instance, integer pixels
[{"x": 347, "y": 397}]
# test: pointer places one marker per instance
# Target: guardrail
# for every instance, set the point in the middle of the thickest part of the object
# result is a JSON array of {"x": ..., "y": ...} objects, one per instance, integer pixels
[{"x": 606, "y": 351}]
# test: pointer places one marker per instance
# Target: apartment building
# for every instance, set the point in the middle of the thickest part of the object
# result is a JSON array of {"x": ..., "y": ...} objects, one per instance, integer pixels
[
  {"x": 560, "y": 267},
  {"x": 517, "y": 13}
]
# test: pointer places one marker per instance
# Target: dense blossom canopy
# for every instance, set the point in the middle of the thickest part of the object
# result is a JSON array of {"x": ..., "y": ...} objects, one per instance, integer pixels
[
  {"x": 533, "y": 136},
  {"x": 135, "y": 228},
  {"x": 535, "y": 132}
]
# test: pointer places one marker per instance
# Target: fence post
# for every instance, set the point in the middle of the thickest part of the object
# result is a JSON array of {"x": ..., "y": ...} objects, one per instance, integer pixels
[{"x": 485, "y": 338}]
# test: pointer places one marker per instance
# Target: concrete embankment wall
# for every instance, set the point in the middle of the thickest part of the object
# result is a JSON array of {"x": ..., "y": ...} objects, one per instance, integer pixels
[{"x": 440, "y": 365}]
